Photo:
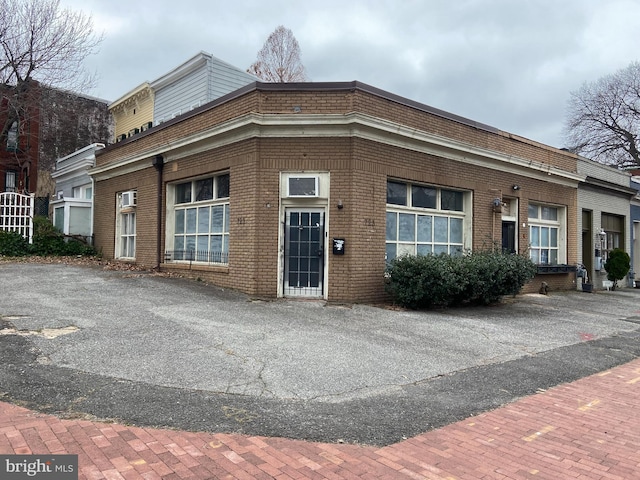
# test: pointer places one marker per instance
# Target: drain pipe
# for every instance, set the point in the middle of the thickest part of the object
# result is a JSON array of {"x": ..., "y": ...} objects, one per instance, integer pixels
[{"x": 158, "y": 163}]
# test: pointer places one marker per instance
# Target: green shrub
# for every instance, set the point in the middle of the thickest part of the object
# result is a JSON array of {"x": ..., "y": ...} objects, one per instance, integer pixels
[
  {"x": 13, "y": 244},
  {"x": 441, "y": 280},
  {"x": 47, "y": 241},
  {"x": 617, "y": 265}
]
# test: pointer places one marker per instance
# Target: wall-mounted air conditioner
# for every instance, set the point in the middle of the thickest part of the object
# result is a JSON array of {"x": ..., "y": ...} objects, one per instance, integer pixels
[{"x": 128, "y": 199}]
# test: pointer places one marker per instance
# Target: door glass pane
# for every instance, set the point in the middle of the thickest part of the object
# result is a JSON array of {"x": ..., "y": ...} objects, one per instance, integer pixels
[
  {"x": 392, "y": 226},
  {"x": 407, "y": 227}
]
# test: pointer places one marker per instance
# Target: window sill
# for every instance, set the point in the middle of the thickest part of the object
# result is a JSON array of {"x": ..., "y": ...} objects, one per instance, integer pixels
[
  {"x": 551, "y": 269},
  {"x": 202, "y": 267}
]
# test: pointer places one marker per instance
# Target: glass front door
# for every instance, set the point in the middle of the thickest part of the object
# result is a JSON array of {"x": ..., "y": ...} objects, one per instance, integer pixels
[{"x": 304, "y": 252}]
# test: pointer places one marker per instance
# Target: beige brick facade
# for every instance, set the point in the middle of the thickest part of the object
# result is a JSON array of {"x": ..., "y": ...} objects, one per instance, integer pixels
[{"x": 359, "y": 138}]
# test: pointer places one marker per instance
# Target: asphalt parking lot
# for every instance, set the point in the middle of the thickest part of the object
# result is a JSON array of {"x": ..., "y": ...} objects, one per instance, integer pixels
[{"x": 156, "y": 351}]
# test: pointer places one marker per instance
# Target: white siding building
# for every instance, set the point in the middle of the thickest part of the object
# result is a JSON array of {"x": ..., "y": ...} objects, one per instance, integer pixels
[
  {"x": 603, "y": 218},
  {"x": 197, "y": 81}
]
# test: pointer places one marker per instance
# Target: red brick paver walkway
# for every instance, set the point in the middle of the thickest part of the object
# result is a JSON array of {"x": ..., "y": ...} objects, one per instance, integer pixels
[{"x": 589, "y": 429}]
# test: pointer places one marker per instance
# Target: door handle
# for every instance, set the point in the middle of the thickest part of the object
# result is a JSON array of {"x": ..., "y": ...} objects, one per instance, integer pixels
[{"x": 320, "y": 252}]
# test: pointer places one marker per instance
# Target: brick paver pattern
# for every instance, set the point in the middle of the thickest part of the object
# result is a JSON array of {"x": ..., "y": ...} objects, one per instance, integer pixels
[{"x": 588, "y": 429}]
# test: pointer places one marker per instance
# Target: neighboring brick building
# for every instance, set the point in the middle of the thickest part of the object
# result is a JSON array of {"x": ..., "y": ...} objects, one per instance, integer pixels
[
  {"x": 56, "y": 124},
  {"x": 305, "y": 189}
]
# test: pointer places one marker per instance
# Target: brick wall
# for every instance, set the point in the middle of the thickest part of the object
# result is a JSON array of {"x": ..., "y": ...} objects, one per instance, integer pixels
[{"x": 358, "y": 170}]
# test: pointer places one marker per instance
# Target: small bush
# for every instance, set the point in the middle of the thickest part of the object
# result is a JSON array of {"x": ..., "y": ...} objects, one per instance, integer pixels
[
  {"x": 12, "y": 244},
  {"x": 443, "y": 280},
  {"x": 47, "y": 241},
  {"x": 617, "y": 265}
]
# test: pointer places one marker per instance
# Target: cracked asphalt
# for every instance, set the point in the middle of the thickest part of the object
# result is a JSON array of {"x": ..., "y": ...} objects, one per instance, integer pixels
[{"x": 158, "y": 351}]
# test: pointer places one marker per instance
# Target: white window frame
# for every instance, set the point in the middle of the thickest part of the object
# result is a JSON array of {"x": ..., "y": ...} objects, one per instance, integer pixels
[
  {"x": 316, "y": 188},
  {"x": 125, "y": 230},
  {"x": 540, "y": 253},
  {"x": 434, "y": 244},
  {"x": 10, "y": 180},
  {"x": 200, "y": 229}
]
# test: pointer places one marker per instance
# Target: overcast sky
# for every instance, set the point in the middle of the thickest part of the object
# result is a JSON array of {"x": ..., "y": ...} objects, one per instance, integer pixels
[{"x": 507, "y": 63}]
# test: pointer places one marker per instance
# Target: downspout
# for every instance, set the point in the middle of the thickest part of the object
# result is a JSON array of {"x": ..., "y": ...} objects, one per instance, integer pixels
[{"x": 158, "y": 163}]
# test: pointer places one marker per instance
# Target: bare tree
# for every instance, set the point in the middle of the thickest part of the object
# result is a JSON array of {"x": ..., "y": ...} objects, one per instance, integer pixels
[
  {"x": 279, "y": 59},
  {"x": 603, "y": 120},
  {"x": 40, "y": 44}
]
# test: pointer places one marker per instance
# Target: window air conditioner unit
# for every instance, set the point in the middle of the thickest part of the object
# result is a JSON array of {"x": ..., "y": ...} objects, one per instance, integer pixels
[
  {"x": 146, "y": 126},
  {"x": 129, "y": 199}
]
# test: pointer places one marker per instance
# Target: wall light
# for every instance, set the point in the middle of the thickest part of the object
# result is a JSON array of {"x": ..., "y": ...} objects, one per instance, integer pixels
[
  {"x": 516, "y": 187},
  {"x": 340, "y": 205}
]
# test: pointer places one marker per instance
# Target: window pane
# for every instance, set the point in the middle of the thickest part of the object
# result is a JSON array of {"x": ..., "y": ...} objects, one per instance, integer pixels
[
  {"x": 203, "y": 244},
  {"x": 391, "y": 251},
  {"x": 424, "y": 197},
  {"x": 190, "y": 243},
  {"x": 302, "y": 186},
  {"x": 226, "y": 218},
  {"x": 407, "y": 227},
  {"x": 204, "y": 189},
  {"x": 455, "y": 226},
  {"x": 191, "y": 220},
  {"x": 183, "y": 193},
  {"x": 441, "y": 229},
  {"x": 216, "y": 243},
  {"x": 404, "y": 249},
  {"x": 535, "y": 256},
  {"x": 392, "y": 226},
  {"x": 535, "y": 236},
  {"x": 553, "y": 257},
  {"x": 553, "y": 241},
  {"x": 550, "y": 213},
  {"x": 217, "y": 219},
  {"x": 451, "y": 200},
  {"x": 203, "y": 220},
  {"x": 533, "y": 211},
  {"x": 425, "y": 228},
  {"x": 178, "y": 243},
  {"x": 425, "y": 249},
  {"x": 438, "y": 249},
  {"x": 179, "y": 221},
  {"x": 397, "y": 193},
  {"x": 222, "y": 186},
  {"x": 544, "y": 237}
]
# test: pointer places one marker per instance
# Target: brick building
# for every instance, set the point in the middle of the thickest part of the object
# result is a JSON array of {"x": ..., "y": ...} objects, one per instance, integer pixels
[{"x": 308, "y": 189}]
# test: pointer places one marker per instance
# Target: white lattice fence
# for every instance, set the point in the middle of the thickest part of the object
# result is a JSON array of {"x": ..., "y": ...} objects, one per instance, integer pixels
[{"x": 16, "y": 213}]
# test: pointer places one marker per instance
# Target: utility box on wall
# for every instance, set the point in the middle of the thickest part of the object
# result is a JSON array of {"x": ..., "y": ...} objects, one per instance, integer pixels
[{"x": 338, "y": 246}]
